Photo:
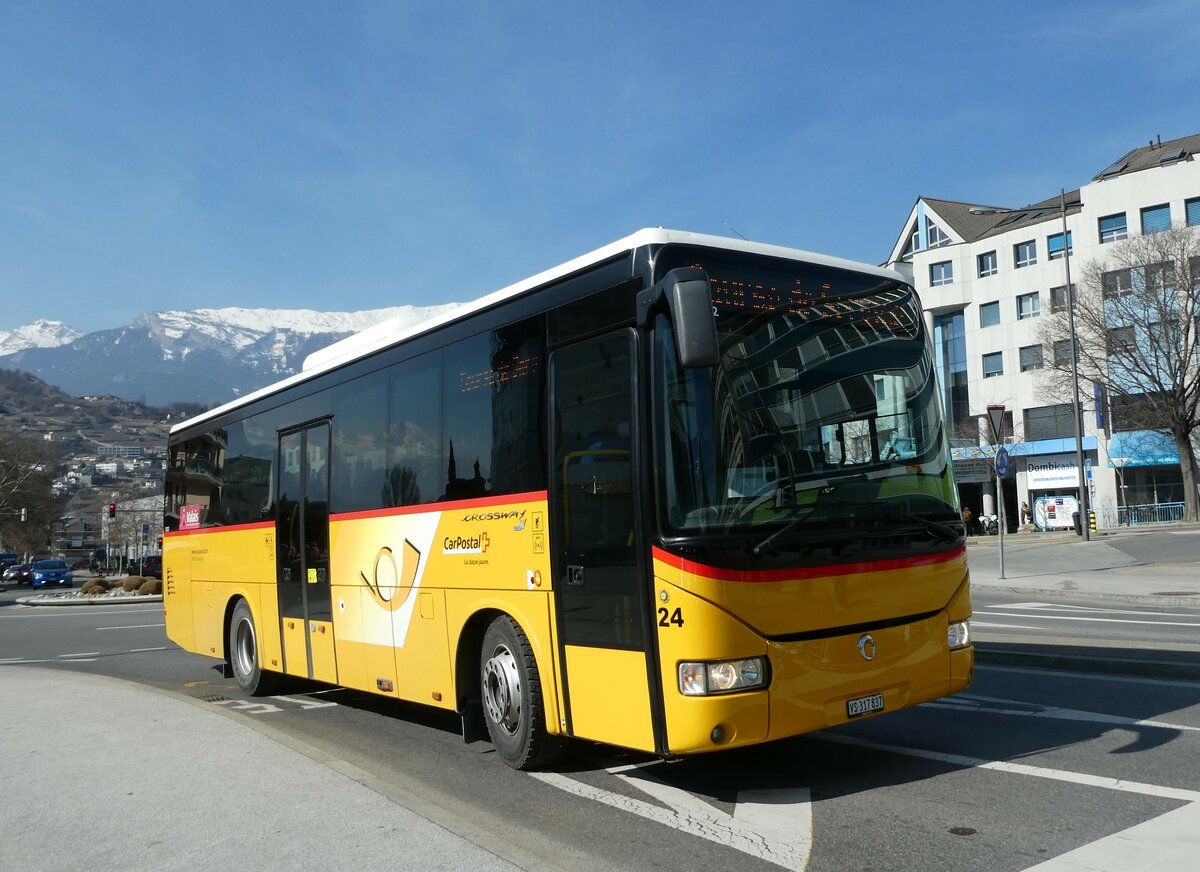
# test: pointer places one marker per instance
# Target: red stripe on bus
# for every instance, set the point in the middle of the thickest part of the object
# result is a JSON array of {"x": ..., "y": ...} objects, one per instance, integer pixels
[
  {"x": 228, "y": 528},
  {"x": 806, "y": 572},
  {"x": 453, "y": 505}
]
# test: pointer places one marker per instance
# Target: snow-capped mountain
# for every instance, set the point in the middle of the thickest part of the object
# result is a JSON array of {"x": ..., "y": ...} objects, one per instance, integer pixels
[
  {"x": 204, "y": 355},
  {"x": 39, "y": 334}
]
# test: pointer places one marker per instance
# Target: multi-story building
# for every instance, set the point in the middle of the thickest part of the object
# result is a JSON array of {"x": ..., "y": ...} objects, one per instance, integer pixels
[{"x": 985, "y": 275}]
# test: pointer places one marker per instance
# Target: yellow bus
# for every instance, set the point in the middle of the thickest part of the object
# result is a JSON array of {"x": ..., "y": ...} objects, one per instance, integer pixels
[{"x": 683, "y": 493}]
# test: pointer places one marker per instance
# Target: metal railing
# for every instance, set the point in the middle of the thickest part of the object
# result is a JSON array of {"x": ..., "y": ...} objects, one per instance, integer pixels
[{"x": 1133, "y": 516}]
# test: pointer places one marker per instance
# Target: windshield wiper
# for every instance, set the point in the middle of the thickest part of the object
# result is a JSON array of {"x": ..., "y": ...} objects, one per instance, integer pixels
[
  {"x": 946, "y": 534},
  {"x": 941, "y": 531}
]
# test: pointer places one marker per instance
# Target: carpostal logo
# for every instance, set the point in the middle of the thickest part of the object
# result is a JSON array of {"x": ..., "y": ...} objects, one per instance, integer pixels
[
  {"x": 465, "y": 544},
  {"x": 510, "y": 515}
]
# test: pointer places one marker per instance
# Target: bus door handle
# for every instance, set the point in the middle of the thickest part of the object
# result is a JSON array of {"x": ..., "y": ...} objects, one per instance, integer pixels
[{"x": 575, "y": 575}]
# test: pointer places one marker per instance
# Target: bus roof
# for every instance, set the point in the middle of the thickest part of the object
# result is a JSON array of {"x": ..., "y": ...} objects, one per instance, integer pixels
[{"x": 391, "y": 332}]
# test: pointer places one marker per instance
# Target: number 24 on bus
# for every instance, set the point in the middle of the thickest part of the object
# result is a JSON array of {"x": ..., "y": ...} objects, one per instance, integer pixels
[{"x": 650, "y": 497}]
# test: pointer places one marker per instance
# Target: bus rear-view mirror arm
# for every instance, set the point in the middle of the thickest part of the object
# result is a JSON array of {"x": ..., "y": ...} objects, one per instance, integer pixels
[{"x": 685, "y": 293}]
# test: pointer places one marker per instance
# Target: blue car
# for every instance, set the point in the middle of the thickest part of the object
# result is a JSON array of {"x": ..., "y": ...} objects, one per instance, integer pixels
[{"x": 51, "y": 573}]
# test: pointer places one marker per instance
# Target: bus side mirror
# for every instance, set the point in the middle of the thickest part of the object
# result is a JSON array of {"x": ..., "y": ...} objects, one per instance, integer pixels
[{"x": 686, "y": 294}]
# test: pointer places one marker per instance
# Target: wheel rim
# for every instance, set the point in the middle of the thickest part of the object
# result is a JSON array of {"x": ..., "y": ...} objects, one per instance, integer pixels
[
  {"x": 502, "y": 690},
  {"x": 244, "y": 654}
]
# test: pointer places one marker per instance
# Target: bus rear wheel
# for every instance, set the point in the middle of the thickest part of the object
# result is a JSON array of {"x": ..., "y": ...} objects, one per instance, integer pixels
[
  {"x": 244, "y": 653},
  {"x": 512, "y": 698}
]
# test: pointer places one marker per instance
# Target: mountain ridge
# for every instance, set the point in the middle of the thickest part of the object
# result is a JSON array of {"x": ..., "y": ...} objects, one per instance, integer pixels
[{"x": 202, "y": 356}]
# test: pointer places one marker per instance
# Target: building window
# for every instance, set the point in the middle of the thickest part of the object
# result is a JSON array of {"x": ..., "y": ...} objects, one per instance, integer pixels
[
  {"x": 1031, "y": 357},
  {"x": 1025, "y": 253},
  {"x": 989, "y": 314},
  {"x": 1118, "y": 283},
  {"x": 1112, "y": 228},
  {"x": 1121, "y": 340},
  {"x": 1058, "y": 298},
  {"x": 993, "y": 364},
  {"x": 937, "y": 238},
  {"x": 1062, "y": 352},
  {"x": 988, "y": 265},
  {"x": 1159, "y": 276},
  {"x": 1054, "y": 245},
  {"x": 1192, "y": 209},
  {"x": 1029, "y": 306},
  {"x": 941, "y": 273},
  {"x": 1049, "y": 422},
  {"x": 1156, "y": 218}
]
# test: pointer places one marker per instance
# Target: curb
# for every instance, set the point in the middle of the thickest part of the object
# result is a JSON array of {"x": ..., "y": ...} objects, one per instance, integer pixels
[
  {"x": 1126, "y": 666},
  {"x": 1190, "y": 600},
  {"x": 89, "y": 600}
]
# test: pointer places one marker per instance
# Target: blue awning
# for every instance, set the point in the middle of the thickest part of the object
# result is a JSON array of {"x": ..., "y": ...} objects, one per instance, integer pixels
[
  {"x": 1142, "y": 448},
  {"x": 1017, "y": 449}
]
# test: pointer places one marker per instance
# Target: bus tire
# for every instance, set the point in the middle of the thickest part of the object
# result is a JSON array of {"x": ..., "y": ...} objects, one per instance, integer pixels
[
  {"x": 511, "y": 691},
  {"x": 244, "y": 653}
]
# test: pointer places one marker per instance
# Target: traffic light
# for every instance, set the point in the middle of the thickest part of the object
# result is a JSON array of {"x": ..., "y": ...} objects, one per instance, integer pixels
[{"x": 112, "y": 510}]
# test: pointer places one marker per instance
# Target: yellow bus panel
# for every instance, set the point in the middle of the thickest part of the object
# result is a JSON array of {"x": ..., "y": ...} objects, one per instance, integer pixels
[{"x": 617, "y": 710}]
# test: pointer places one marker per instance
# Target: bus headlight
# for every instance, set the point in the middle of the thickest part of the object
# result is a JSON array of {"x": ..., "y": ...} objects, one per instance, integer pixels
[
  {"x": 958, "y": 635},
  {"x": 721, "y": 676}
]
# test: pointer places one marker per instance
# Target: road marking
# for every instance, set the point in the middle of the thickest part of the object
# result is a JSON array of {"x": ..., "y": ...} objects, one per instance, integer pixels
[
  {"x": 1000, "y": 706},
  {"x": 84, "y": 654},
  {"x": 72, "y": 660},
  {"x": 67, "y": 611},
  {"x": 1101, "y": 610},
  {"x": 141, "y": 650},
  {"x": 1018, "y": 768},
  {"x": 1086, "y": 676},
  {"x": 305, "y": 703},
  {"x": 1192, "y": 624},
  {"x": 250, "y": 708},
  {"x": 773, "y": 825},
  {"x": 1169, "y": 841},
  {"x": 131, "y": 627},
  {"x": 975, "y": 624}
]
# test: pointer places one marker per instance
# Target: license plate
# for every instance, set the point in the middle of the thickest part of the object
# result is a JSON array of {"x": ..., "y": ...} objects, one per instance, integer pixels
[{"x": 864, "y": 705}]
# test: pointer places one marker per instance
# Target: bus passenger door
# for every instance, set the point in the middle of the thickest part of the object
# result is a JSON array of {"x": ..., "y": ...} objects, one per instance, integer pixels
[
  {"x": 599, "y": 586},
  {"x": 302, "y": 549}
]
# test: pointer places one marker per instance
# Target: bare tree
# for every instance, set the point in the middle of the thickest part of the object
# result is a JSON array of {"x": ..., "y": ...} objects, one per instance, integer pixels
[
  {"x": 27, "y": 505},
  {"x": 1137, "y": 322}
]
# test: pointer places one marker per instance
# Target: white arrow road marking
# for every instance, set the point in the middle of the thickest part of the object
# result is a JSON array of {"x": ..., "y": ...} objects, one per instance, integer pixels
[
  {"x": 1018, "y": 768},
  {"x": 1169, "y": 841},
  {"x": 773, "y": 825}
]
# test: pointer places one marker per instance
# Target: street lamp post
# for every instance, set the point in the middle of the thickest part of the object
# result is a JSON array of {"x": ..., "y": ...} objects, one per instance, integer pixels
[{"x": 1084, "y": 514}]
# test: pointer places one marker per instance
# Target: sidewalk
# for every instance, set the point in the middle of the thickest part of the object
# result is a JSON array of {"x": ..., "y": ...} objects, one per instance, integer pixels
[
  {"x": 134, "y": 778},
  {"x": 1063, "y": 564}
]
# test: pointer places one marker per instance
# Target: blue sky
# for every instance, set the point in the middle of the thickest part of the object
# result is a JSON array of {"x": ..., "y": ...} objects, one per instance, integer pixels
[{"x": 350, "y": 155}]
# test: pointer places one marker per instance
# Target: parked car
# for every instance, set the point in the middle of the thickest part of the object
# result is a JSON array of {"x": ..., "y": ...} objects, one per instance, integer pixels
[
  {"x": 51, "y": 573},
  {"x": 18, "y": 573},
  {"x": 151, "y": 565}
]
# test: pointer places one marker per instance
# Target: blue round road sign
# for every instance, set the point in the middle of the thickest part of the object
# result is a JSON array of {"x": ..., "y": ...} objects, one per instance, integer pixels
[{"x": 1002, "y": 462}]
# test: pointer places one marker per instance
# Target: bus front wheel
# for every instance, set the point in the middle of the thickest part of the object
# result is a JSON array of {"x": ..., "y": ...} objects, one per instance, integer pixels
[
  {"x": 244, "y": 653},
  {"x": 512, "y": 698}
]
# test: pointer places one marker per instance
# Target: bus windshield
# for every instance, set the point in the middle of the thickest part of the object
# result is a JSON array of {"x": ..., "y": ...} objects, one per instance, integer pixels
[{"x": 820, "y": 423}]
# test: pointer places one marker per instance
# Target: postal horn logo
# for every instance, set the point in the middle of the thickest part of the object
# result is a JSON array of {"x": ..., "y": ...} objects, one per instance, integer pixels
[
  {"x": 866, "y": 646},
  {"x": 390, "y": 585}
]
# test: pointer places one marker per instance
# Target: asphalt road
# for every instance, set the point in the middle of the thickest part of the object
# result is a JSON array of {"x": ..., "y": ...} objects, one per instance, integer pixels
[{"x": 1030, "y": 766}]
